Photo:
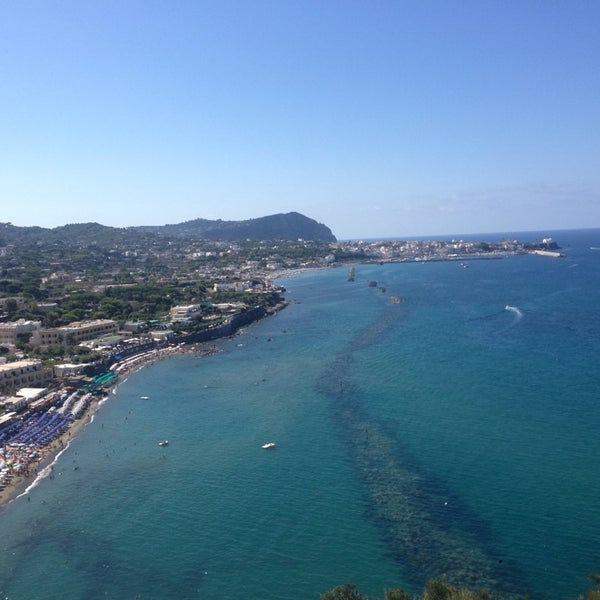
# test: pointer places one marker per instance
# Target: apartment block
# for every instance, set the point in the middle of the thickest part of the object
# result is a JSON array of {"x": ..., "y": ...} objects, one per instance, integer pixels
[
  {"x": 23, "y": 373},
  {"x": 78, "y": 332}
]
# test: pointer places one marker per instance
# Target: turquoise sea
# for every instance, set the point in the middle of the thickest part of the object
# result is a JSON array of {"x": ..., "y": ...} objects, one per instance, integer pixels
[{"x": 445, "y": 435}]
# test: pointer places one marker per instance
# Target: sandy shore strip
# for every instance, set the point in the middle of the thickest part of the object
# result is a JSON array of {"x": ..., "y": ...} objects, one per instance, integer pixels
[
  {"x": 38, "y": 469},
  {"x": 42, "y": 465},
  {"x": 289, "y": 273}
]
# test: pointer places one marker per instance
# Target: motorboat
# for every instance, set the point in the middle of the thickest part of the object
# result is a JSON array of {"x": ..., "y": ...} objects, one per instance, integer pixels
[
  {"x": 268, "y": 445},
  {"x": 164, "y": 443}
]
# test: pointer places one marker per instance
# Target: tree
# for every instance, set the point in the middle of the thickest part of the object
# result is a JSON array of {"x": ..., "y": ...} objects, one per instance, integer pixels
[
  {"x": 11, "y": 307},
  {"x": 343, "y": 592},
  {"x": 437, "y": 589},
  {"x": 22, "y": 338},
  {"x": 76, "y": 314},
  {"x": 112, "y": 308},
  {"x": 32, "y": 290},
  {"x": 53, "y": 319},
  {"x": 593, "y": 594},
  {"x": 396, "y": 594}
]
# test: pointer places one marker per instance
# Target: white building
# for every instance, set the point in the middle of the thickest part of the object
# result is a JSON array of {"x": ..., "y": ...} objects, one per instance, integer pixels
[
  {"x": 10, "y": 331},
  {"x": 23, "y": 373},
  {"x": 69, "y": 370},
  {"x": 236, "y": 286},
  {"x": 184, "y": 313},
  {"x": 78, "y": 332}
]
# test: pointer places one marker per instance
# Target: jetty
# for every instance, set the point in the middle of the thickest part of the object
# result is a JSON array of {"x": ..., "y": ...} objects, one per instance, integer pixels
[{"x": 550, "y": 253}]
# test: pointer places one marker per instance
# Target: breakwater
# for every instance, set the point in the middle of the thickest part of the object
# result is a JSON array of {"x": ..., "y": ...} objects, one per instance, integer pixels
[{"x": 429, "y": 531}]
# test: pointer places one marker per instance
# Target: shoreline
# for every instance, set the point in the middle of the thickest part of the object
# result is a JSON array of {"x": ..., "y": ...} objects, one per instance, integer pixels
[
  {"x": 40, "y": 469},
  {"x": 37, "y": 470}
]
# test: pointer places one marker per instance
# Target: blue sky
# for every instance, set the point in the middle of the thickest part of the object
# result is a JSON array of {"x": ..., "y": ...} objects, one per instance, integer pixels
[{"x": 377, "y": 118}]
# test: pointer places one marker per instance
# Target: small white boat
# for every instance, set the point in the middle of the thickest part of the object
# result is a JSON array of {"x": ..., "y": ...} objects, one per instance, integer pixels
[
  {"x": 164, "y": 443},
  {"x": 144, "y": 397},
  {"x": 268, "y": 445}
]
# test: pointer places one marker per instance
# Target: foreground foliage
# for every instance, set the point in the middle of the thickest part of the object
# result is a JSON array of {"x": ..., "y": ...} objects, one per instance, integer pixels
[
  {"x": 437, "y": 589},
  {"x": 434, "y": 590}
]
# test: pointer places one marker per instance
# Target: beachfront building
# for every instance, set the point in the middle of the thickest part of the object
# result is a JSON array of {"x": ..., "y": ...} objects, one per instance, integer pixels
[
  {"x": 14, "y": 331},
  {"x": 134, "y": 326},
  {"x": 24, "y": 398},
  {"x": 78, "y": 332},
  {"x": 8, "y": 418},
  {"x": 69, "y": 370},
  {"x": 14, "y": 404},
  {"x": 185, "y": 313},
  {"x": 23, "y": 373},
  {"x": 161, "y": 335}
]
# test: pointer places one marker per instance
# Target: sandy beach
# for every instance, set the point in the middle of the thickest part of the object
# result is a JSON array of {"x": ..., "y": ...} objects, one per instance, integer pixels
[
  {"x": 41, "y": 466},
  {"x": 37, "y": 469}
]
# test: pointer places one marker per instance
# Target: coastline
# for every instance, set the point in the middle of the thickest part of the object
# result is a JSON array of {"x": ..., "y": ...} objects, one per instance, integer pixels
[
  {"x": 37, "y": 470},
  {"x": 33, "y": 470},
  {"x": 42, "y": 466}
]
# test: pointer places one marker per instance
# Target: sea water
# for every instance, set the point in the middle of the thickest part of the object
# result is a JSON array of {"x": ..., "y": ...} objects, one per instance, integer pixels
[{"x": 448, "y": 432}]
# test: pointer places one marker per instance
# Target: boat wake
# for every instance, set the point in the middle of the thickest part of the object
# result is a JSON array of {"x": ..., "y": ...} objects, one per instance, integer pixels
[{"x": 517, "y": 311}]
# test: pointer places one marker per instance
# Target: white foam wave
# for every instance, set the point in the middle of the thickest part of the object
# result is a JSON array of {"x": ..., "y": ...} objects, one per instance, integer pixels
[
  {"x": 45, "y": 472},
  {"x": 515, "y": 310}
]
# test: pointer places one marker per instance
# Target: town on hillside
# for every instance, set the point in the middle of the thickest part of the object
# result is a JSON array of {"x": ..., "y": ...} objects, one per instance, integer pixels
[{"x": 76, "y": 308}]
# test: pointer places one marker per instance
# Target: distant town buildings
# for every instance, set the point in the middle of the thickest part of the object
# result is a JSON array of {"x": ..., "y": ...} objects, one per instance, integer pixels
[{"x": 158, "y": 288}]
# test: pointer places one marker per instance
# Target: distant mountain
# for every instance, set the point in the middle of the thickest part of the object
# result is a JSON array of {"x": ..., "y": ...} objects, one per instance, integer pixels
[{"x": 289, "y": 226}]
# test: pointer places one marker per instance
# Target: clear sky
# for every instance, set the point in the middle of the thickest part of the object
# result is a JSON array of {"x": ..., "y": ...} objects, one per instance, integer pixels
[{"x": 377, "y": 118}]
